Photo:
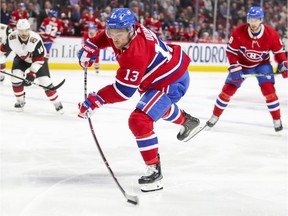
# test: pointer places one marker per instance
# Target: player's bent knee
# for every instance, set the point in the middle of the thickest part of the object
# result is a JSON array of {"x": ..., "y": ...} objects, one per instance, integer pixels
[{"x": 140, "y": 123}]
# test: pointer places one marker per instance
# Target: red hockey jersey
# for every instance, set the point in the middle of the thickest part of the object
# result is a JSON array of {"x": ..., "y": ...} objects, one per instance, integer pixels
[
  {"x": 249, "y": 51},
  {"x": 148, "y": 63},
  {"x": 51, "y": 28}
]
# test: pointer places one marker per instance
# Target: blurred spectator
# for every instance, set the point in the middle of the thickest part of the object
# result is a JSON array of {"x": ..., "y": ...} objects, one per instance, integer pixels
[
  {"x": 37, "y": 6},
  {"x": 75, "y": 19},
  {"x": 154, "y": 24},
  {"x": 190, "y": 35},
  {"x": 87, "y": 18},
  {"x": 20, "y": 13},
  {"x": 44, "y": 13},
  {"x": 205, "y": 38},
  {"x": 135, "y": 8},
  {"x": 5, "y": 13},
  {"x": 32, "y": 16},
  {"x": 68, "y": 26}
]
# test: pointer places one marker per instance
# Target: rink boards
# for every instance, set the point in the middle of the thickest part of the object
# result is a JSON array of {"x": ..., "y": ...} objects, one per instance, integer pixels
[{"x": 204, "y": 56}]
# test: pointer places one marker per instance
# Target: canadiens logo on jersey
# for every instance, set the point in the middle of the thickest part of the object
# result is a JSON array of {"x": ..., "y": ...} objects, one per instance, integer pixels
[{"x": 253, "y": 55}]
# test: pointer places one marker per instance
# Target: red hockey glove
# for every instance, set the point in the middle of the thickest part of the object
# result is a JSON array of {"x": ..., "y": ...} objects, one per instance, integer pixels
[
  {"x": 283, "y": 69},
  {"x": 235, "y": 73},
  {"x": 87, "y": 54},
  {"x": 89, "y": 106},
  {"x": 30, "y": 77}
]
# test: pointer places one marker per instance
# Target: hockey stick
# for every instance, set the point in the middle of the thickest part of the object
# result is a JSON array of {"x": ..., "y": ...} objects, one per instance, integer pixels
[
  {"x": 29, "y": 82},
  {"x": 131, "y": 199},
  {"x": 259, "y": 75}
]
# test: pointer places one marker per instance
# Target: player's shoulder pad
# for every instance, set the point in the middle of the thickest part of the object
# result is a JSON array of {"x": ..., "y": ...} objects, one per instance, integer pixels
[
  {"x": 3, "y": 27},
  {"x": 34, "y": 37},
  {"x": 12, "y": 35}
]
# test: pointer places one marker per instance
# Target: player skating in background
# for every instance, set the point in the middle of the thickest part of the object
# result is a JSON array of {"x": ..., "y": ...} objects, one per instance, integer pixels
[
  {"x": 30, "y": 56},
  {"x": 92, "y": 31},
  {"x": 158, "y": 71},
  {"x": 4, "y": 31},
  {"x": 50, "y": 28},
  {"x": 248, "y": 53}
]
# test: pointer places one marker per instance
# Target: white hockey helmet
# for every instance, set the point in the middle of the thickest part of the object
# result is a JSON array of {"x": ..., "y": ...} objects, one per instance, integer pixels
[{"x": 23, "y": 24}]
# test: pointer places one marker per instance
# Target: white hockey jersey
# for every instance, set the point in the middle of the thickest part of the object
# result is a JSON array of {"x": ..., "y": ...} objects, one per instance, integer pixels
[
  {"x": 32, "y": 51},
  {"x": 3, "y": 33}
]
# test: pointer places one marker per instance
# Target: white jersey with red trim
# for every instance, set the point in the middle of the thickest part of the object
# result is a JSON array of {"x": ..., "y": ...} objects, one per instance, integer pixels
[{"x": 31, "y": 52}]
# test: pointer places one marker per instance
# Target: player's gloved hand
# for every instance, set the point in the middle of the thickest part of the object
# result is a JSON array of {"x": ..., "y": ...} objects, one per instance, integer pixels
[
  {"x": 236, "y": 73},
  {"x": 87, "y": 54},
  {"x": 89, "y": 106},
  {"x": 30, "y": 77},
  {"x": 283, "y": 69}
]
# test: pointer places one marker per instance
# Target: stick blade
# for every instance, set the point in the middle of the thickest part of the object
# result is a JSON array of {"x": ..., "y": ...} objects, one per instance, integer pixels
[{"x": 132, "y": 199}]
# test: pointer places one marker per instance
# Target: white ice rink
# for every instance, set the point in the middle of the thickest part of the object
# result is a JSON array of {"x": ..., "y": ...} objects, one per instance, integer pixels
[{"x": 50, "y": 165}]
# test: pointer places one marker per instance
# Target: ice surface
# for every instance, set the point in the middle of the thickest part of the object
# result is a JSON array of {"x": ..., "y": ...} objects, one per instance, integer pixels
[{"x": 50, "y": 165}]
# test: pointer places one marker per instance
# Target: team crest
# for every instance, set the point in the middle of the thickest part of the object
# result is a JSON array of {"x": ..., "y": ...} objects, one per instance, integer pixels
[
  {"x": 12, "y": 37},
  {"x": 33, "y": 40},
  {"x": 253, "y": 55}
]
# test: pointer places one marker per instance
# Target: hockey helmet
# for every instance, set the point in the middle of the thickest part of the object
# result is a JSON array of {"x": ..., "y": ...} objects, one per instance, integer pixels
[
  {"x": 22, "y": 5},
  {"x": 255, "y": 12},
  {"x": 121, "y": 18},
  {"x": 53, "y": 13},
  {"x": 92, "y": 26},
  {"x": 23, "y": 24}
]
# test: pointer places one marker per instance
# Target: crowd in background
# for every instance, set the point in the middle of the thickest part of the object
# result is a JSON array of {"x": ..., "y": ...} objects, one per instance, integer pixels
[{"x": 170, "y": 19}]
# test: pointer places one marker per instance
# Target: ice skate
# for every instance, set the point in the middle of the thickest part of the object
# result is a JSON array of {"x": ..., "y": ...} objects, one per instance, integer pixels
[
  {"x": 19, "y": 105},
  {"x": 151, "y": 181},
  {"x": 188, "y": 127},
  {"x": 59, "y": 107},
  {"x": 2, "y": 78},
  {"x": 278, "y": 125},
  {"x": 212, "y": 121}
]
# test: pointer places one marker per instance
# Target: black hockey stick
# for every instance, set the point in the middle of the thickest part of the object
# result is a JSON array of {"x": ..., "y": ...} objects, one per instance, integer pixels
[
  {"x": 131, "y": 199},
  {"x": 29, "y": 82}
]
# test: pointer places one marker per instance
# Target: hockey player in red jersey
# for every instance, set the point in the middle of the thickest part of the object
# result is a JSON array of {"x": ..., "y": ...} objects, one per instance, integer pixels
[
  {"x": 50, "y": 28},
  {"x": 248, "y": 53},
  {"x": 154, "y": 24},
  {"x": 92, "y": 31},
  {"x": 30, "y": 56},
  {"x": 20, "y": 13},
  {"x": 159, "y": 73}
]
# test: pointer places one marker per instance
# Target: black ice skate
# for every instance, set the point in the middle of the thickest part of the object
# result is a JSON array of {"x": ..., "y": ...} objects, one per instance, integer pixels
[
  {"x": 212, "y": 121},
  {"x": 20, "y": 104},
  {"x": 277, "y": 125},
  {"x": 59, "y": 107},
  {"x": 2, "y": 78},
  {"x": 151, "y": 181},
  {"x": 187, "y": 127}
]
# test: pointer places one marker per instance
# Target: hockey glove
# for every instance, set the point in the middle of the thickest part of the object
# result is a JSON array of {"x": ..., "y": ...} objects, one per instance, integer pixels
[
  {"x": 89, "y": 106},
  {"x": 236, "y": 73},
  {"x": 283, "y": 69},
  {"x": 87, "y": 54},
  {"x": 30, "y": 77}
]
